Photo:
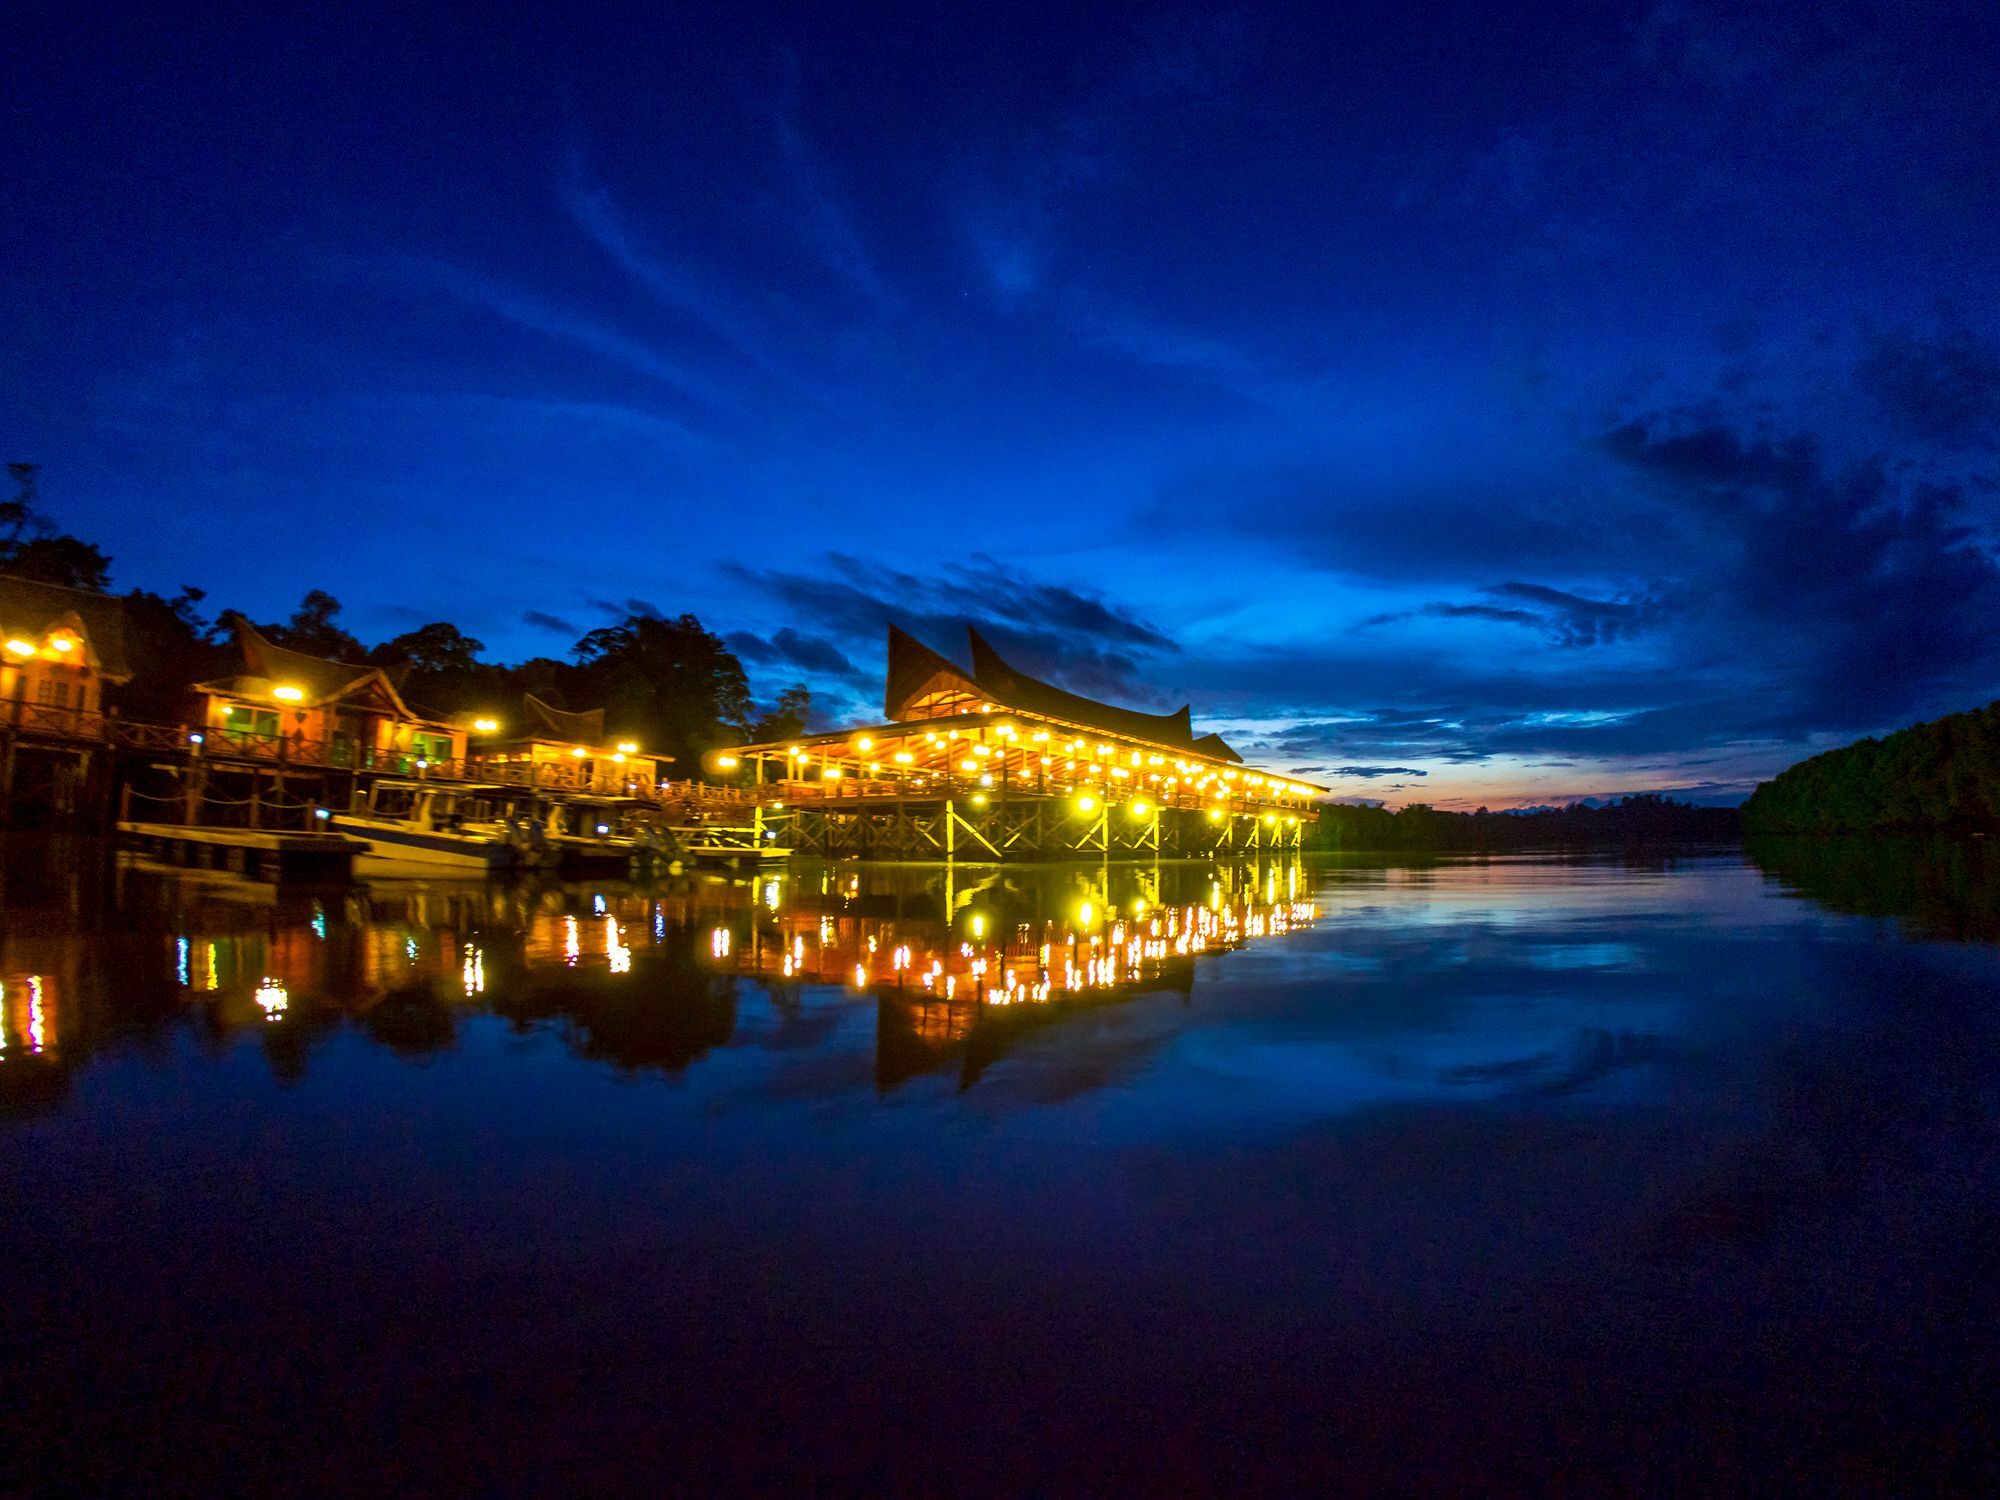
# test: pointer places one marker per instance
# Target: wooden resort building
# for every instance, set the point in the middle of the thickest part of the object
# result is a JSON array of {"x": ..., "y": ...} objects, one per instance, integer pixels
[
  {"x": 60, "y": 648},
  {"x": 305, "y": 710},
  {"x": 552, "y": 747},
  {"x": 990, "y": 763}
]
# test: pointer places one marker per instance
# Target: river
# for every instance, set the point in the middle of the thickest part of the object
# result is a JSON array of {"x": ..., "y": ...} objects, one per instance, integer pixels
[{"x": 1653, "y": 1174}]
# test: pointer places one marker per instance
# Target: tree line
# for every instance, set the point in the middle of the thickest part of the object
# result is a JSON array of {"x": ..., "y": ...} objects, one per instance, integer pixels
[
  {"x": 668, "y": 682},
  {"x": 1939, "y": 777},
  {"x": 1645, "y": 818}
]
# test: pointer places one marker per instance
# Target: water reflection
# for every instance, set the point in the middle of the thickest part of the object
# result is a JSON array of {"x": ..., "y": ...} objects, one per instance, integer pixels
[
  {"x": 1938, "y": 888},
  {"x": 640, "y": 976}
]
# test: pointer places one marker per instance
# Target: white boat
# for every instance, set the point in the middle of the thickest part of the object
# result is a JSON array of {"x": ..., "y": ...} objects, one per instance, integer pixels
[{"x": 469, "y": 828}]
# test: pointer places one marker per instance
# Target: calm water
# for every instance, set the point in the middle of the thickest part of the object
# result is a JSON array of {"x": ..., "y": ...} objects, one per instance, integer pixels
[{"x": 1510, "y": 1174}]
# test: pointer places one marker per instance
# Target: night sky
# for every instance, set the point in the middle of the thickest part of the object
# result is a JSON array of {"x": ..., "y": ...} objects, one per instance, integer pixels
[{"x": 1476, "y": 403}]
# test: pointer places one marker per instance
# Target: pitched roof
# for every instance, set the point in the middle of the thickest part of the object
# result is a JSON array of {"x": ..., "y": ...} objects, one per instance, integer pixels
[
  {"x": 267, "y": 665},
  {"x": 547, "y": 721},
  {"x": 1213, "y": 747},
  {"x": 29, "y": 607},
  {"x": 1017, "y": 689},
  {"x": 915, "y": 669}
]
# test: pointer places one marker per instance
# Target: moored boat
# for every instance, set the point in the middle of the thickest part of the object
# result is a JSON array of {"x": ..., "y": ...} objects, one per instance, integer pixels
[{"x": 471, "y": 828}]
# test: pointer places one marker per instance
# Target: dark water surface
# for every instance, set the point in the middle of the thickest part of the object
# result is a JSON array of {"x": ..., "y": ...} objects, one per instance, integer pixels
[{"x": 1511, "y": 1174}]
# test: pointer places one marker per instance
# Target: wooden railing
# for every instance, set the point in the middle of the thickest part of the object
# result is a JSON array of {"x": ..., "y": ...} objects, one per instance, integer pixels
[{"x": 821, "y": 793}]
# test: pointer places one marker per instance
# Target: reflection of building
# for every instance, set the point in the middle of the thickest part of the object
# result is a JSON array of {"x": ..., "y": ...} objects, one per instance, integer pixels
[
  {"x": 288, "y": 706},
  {"x": 992, "y": 763},
  {"x": 951, "y": 967},
  {"x": 29, "y": 1018}
]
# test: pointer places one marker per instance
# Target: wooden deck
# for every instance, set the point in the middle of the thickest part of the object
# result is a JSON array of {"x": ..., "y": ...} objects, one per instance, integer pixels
[{"x": 264, "y": 855}]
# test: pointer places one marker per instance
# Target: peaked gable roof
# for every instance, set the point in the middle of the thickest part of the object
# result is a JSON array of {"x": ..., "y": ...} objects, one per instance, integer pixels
[
  {"x": 267, "y": 664},
  {"x": 915, "y": 669},
  {"x": 29, "y": 607},
  {"x": 545, "y": 720},
  {"x": 1017, "y": 689}
]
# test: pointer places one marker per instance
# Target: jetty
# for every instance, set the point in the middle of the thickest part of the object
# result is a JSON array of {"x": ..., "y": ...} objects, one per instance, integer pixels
[{"x": 317, "y": 858}]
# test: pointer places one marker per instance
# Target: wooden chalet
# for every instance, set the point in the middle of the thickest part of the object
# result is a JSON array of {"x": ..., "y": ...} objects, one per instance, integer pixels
[
  {"x": 306, "y": 710},
  {"x": 59, "y": 648},
  {"x": 543, "y": 745},
  {"x": 1017, "y": 766}
]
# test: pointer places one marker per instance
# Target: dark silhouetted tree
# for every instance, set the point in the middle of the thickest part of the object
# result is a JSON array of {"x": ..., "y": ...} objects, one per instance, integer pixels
[
  {"x": 669, "y": 682},
  {"x": 170, "y": 644},
  {"x": 32, "y": 548},
  {"x": 785, "y": 718},
  {"x": 311, "y": 629}
]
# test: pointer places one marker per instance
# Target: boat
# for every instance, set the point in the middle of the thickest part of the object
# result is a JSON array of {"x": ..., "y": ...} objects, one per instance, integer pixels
[
  {"x": 605, "y": 834},
  {"x": 468, "y": 828}
]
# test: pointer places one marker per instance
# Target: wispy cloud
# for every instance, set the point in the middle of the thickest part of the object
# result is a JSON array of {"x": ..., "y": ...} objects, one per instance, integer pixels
[
  {"x": 1010, "y": 211},
  {"x": 823, "y": 218},
  {"x": 596, "y": 211},
  {"x": 555, "y": 415},
  {"x": 524, "y": 310},
  {"x": 1201, "y": 357}
]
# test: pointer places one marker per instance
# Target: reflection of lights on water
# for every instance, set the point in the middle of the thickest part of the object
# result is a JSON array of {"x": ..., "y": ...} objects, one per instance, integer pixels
[
  {"x": 272, "y": 997},
  {"x": 659, "y": 926},
  {"x": 1069, "y": 962},
  {"x": 597, "y": 906},
  {"x": 38, "y": 1021},
  {"x": 572, "y": 944},
  {"x": 214, "y": 979},
  {"x": 181, "y": 961},
  {"x": 319, "y": 921},
  {"x": 771, "y": 895},
  {"x": 474, "y": 970},
  {"x": 718, "y": 942},
  {"x": 615, "y": 949},
  {"x": 410, "y": 949}
]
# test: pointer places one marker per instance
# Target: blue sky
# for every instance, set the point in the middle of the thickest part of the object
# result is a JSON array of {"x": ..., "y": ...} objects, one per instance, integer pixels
[{"x": 1475, "y": 406}]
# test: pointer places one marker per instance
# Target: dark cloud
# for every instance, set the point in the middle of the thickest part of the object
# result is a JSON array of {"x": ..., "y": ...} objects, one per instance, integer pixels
[
  {"x": 556, "y": 623},
  {"x": 1574, "y": 620},
  {"x": 1413, "y": 531},
  {"x": 1854, "y": 599},
  {"x": 787, "y": 647},
  {"x": 1369, "y": 773},
  {"x": 1942, "y": 387},
  {"x": 1569, "y": 619},
  {"x": 1076, "y": 638}
]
